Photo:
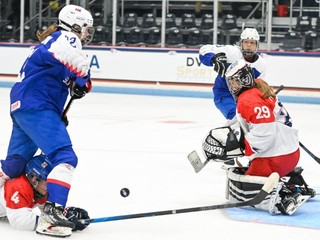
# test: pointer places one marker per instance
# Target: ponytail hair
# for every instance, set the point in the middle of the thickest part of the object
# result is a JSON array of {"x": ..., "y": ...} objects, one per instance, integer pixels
[
  {"x": 41, "y": 35},
  {"x": 265, "y": 89}
]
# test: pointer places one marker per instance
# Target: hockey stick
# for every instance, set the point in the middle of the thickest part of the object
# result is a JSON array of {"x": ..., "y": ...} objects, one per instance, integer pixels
[
  {"x": 268, "y": 186},
  {"x": 309, "y": 152},
  {"x": 66, "y": 110},
  {"x": 196, "y": 162},
  {"x": 64, "y": 117},
  {"x": 281, "y": 87}
]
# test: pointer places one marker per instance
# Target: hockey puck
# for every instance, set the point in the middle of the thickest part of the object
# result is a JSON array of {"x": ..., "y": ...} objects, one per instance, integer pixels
[{"x": 124, "y": 192}]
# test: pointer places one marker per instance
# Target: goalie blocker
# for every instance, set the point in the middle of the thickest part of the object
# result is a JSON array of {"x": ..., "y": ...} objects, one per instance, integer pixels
[{"x": 290, "y": 193}]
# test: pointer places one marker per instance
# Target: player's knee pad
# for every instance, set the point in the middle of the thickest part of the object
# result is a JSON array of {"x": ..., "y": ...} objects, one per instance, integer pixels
[{"x": 64, "y": 155}]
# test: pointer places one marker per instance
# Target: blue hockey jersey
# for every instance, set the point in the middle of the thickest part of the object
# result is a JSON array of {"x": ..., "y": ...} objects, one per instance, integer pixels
[
  {"x": 223, "y": 99},
  {"x": 46, "y": 73}
]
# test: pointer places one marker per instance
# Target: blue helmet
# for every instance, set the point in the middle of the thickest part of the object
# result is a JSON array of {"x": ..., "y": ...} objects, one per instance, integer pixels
[{"x": 39, "y": 166}]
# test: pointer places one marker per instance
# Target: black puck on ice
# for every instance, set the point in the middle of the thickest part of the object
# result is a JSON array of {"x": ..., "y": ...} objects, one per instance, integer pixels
[{"x": 124, "y": 192}]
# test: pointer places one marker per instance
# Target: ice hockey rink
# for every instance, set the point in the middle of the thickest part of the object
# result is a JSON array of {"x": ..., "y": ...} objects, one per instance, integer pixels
[{"x": 141, "y": 142}]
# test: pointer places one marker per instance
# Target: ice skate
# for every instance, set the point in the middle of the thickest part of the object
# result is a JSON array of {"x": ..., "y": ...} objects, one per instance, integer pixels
[
  {"x": 284, "y": 201},
  {"x": 46, "y": 228},
  {"x": 53, "y": 223},
  {"x": 291, "y": 203}
]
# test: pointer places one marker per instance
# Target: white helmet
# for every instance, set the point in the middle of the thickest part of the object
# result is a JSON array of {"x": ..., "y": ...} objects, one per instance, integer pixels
[
  {"x": 78, "y": 20},
  {"x": 249, "y": 34},
  {"x": 239, "y": 77}
]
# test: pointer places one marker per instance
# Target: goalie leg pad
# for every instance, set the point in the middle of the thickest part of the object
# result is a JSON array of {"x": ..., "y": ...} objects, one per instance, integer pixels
[
  {"x": 281, "y": 200},
  {"x": 243, "y": 187}
]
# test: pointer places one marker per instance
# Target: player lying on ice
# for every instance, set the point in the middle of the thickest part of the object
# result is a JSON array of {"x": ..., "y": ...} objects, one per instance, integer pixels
[
  {"x": 19, "y": 196},
  {"x": 262, "y": 132}
]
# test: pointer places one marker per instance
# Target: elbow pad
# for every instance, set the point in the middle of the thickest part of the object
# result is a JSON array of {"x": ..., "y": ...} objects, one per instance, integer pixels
[{"x": 76, "y": 61}]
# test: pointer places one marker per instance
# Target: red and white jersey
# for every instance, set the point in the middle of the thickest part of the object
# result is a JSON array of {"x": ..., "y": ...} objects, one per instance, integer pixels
[
  {"x": 17, "y": 203},
  {"x": 265, "y": 133}
]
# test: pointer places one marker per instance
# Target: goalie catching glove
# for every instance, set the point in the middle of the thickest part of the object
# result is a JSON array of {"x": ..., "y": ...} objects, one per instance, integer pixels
[
  {"x": 74, "y": 214},
  {"x": 222, "y": 144}
]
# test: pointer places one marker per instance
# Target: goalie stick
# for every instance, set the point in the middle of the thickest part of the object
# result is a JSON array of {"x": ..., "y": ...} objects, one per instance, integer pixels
[
  {"x": 196, "y": 162},
  {"x": 268, "y": 186}
]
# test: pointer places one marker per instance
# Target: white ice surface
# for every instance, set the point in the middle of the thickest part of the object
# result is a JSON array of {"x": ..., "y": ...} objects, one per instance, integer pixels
[{"x": 142, "y": 142}]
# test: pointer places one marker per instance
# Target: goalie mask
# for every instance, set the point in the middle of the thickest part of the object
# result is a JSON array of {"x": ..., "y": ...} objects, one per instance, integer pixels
[
  {"x": 76, "y": 19},
  {"x": 240, "y": 77},
  {"x": 223, "y": 144}
]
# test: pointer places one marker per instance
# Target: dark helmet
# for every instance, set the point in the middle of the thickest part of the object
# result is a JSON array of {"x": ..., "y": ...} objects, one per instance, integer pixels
[
  {"x": 240, "y": 77},
  {"x": 39, "y": 166}
]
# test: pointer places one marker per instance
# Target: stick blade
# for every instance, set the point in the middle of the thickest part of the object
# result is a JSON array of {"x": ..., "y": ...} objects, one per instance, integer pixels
[{"x": 195, "y": 161}]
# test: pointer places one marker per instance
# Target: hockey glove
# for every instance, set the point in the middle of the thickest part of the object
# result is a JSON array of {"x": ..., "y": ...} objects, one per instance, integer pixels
[
  {"x": 219, "y": 62},
  {"x": 64, "y": 119},
  {"x": 74, "y": 214},
  {"x": 213, "y": 148},
  {"x": 222, "y": 144},
  {"x": 78, "y": 92}
]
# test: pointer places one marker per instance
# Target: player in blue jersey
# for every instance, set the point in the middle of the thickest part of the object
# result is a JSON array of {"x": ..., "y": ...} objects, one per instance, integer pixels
[
  {"x": 54, "y": 68},
  {"x": 221, "y": 56}
]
